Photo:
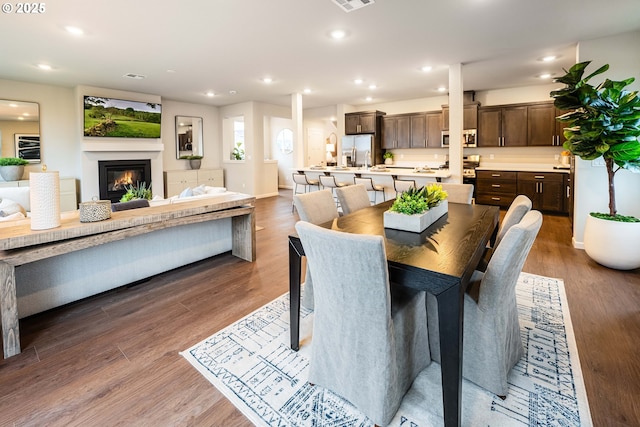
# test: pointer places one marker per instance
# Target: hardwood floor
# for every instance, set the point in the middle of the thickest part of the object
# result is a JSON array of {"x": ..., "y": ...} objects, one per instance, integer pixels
[{"x": 113, "y": 359}]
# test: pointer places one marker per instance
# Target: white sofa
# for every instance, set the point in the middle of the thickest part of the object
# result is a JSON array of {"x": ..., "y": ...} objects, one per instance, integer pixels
[
  {"x": 9, "y": 197},
  {"x": 56, "y": 281}
]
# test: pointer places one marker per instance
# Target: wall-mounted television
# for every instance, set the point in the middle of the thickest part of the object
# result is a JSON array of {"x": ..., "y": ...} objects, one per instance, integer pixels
[{"x": 118, "y": 118}]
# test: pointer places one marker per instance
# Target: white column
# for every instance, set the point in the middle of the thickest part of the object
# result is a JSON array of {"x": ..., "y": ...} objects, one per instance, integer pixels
[
  {"x": 456, "y": 111},
  {"x": 298, "y": 134}
]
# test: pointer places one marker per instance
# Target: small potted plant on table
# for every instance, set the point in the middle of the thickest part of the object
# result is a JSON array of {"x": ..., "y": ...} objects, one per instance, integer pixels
[
  {"x": 194, "y": 161},
  {"x": 416, "y": 209},
  {"x": 388, "y": 158},
  {"x": 12, "y": 168}
]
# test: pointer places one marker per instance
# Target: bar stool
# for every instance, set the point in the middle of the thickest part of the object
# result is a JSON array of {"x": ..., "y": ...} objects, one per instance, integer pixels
[
  {"x": 329, "y": 181},
  {"x": 370, "y": 186},
  {"x": 402, "y": 185},
  {"x": 300, "y": 179}
]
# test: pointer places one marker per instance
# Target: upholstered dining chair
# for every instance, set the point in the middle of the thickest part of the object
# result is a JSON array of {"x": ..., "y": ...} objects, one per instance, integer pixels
[
  {"x": 302, "y": 180},
  {"x": 458, "y": 193},
  {"x": 353, "y": 198},
  {"x": 517, "y": 210},
  {"x": 491, "y": 333},
  {"x": 369, "y": 338},
  {"x": 315, "y": 207},
  {"x": 370, "y": 186},
  {"x": 402, "y": 185}
]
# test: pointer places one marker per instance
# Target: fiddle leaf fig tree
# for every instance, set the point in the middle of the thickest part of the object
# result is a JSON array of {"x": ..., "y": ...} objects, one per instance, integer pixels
[{"x": 603, "y": 121}]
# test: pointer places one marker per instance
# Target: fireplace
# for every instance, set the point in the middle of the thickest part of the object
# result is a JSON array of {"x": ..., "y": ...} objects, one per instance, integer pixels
[{"x": 115, "y": 175}]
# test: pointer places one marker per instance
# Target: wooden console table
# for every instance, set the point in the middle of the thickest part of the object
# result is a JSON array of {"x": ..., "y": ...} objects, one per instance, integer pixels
[{"x": 20, "y": 245}]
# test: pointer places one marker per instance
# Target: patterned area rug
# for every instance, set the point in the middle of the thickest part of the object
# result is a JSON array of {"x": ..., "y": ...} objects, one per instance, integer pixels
[{"x": 251, "y": 363}]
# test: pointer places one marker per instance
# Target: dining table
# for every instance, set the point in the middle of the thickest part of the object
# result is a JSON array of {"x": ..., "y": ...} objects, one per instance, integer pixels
[{"x": 440, "y": 260}]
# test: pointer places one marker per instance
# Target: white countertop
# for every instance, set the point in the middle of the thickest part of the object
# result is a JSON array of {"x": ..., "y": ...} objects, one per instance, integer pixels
[
  {"x": 522, "y": 168},
  {"x": 433, "y": 173}
]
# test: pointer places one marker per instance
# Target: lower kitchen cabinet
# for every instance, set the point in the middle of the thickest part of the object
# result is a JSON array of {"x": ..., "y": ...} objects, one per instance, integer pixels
[
  {"x": 496, "y": 187},
  {"x": 546, "y": 190}
]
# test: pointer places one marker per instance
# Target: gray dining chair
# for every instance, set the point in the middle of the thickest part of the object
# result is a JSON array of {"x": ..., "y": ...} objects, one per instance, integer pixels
[
  {"x": 491, "y": 333},
  {"x": 315, "y": 207},
  {"x": 302, "y": 181},
  {"x": 458, "y": 193},
  {"x": 329, "y": 181},
  {"x": 517, "y": 210},
  {"x": 353, "y": 198},
  {"x": 369, "y": 338}
]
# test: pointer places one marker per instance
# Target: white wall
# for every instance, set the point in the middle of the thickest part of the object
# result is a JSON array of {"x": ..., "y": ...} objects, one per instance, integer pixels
[{"x": 591, "y": 194}]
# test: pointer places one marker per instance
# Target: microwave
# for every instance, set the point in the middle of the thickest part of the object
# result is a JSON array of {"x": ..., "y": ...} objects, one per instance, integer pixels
[{"x": 468, "y": 138}]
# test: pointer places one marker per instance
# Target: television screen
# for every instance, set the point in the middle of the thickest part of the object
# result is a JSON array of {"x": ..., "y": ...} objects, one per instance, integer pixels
[{"x": 117, "y": 118}]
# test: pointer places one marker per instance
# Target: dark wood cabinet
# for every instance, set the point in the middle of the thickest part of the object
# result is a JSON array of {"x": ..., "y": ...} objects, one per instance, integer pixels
[
  {"x": 496, "y": 187},
  {"x": 404, "y": 131},
  {"x": 543, "y": 130},
  {"x": 418, "y": 130},
  {"x": 502, "y": 126},
  {"x": 546, "y": 190},
  {"x": 362, "y": 122},
  {"x": 469, "y": 117},
  {"x": 434, "y": 129}
]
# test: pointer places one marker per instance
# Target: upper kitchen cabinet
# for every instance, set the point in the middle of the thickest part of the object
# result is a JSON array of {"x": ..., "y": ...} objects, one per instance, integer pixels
[
  {"x": 502, "y": 126},
  {"x": 362, "y": 122},
  {"x": 434, "y": 129},
  {"x": 469, "y": 117},
  {"x": 543, "y": 130},
  {"x": 396, "y": 131}
]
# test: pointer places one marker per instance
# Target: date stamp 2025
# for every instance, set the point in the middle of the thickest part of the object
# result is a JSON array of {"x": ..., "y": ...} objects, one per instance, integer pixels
[{"x": 23, "y": 8}]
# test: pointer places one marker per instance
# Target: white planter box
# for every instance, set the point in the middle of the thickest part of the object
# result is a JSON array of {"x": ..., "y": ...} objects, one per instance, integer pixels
[{"x": 415, "y": 223}]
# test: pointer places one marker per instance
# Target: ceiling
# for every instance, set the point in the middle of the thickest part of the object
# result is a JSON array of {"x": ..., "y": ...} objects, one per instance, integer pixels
[{"x": 186, "y": 49}]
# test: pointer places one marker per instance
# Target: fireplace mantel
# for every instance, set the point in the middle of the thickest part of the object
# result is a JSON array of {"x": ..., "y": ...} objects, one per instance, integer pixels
[{"x": 122, "y": 146}]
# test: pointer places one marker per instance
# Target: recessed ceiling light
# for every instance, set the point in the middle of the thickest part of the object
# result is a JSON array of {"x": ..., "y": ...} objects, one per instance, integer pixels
[
  {"x": 338, "y": 34},
  {"x": 426, "y": 68},
  {"x": 368, "y": 98},
  {"x": 13, "y": 105},
  {"x": 307, "y": 91},
  {"x": 233, "y": 92},
  {"x": 25, "y": 114},
  {"x": 548, "y": 58},
  {"x": 442, "y": 89},
  {"x": 171, "y": 71},
  {"x": 372, "y": 86},
  {"x": 20, "y": 118},
  {"x": 545, "y": 76},
  {"x": 210, "y": 94},
  {"x": 358, "y": 81},
  {"x": 74, "y": 30},
  {"x": 45, "y": 67},
  {"x": 267, "y": 80}
]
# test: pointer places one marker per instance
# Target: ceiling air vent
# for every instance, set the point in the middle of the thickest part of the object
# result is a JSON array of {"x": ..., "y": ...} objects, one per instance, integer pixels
[
  {"x": 134, "y": 76},
  {"x": 349, "y": 5}
]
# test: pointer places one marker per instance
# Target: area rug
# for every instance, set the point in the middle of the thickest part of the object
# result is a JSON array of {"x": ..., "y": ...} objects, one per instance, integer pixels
[{"x": 251, "y": 363}]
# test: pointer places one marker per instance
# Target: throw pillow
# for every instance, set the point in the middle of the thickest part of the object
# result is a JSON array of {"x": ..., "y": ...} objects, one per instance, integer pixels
[
  {"x": 199, "y": 190},
  {"x": 13, "y": 217},
  {"x": 9, "y": 207},
  {"x": 187, "y": 192}
]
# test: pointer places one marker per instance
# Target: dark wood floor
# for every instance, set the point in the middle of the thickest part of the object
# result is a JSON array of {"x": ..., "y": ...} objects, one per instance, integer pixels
[{"x": 113, "y": 359}]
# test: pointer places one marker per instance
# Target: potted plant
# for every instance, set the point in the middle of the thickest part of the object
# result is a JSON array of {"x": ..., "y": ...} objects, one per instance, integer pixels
[
  {"x": 417, "y": 208},
  {"x": 604, "y": 121},
  {"x": 388, "y": 158},
  {"x": 238, "y": 152},
  {"x": 12, "y": 168},
  {"x": 140, "y": 191},
  {"x": 194, "y": 161}
]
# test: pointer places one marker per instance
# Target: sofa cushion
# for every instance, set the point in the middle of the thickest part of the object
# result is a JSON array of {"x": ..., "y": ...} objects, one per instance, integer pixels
[
  {"x": 13, "y": 217},
  {"x": 19, "y": 195}
]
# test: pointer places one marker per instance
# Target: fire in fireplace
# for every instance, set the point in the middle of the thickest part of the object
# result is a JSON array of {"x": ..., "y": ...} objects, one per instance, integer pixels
[{"x": 115, "y": 175}]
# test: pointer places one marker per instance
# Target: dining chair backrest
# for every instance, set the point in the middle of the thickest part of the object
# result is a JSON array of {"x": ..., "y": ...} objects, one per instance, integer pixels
[
  {"x": 328, "y": 181},
  {"x": 366, "y": 347},
  {"x": 499, "y": 280},
  {"x": 316, "y": 207},
  {"x": 517, "y": 210},
  {"x": 353, "y": 198},
  {"x": 458, "y": 193},
  {"x": 301, "y": 179}
]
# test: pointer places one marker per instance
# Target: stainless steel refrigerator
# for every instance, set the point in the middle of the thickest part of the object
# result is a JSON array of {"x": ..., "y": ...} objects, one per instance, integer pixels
[{"x": 359, "y": 150}]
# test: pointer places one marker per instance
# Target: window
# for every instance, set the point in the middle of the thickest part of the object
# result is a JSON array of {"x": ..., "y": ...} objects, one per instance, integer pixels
[{"x": 238, "y": 137}]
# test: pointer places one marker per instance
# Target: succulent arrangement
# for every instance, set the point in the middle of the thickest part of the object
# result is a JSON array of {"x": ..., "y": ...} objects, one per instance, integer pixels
[
  {"x": 139, "y": 191},
  {"x": 419, "y": 200},
  {"x": 387, "y": 155}
]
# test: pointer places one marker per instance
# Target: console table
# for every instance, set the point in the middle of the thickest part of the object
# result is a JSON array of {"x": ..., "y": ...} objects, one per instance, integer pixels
[{"x": 20, "y": 245}]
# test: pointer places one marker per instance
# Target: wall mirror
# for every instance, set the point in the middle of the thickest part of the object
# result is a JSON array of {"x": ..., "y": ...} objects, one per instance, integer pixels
[
  {"x": 189, "y": 136},
  {"x": 20, "y": 130}
]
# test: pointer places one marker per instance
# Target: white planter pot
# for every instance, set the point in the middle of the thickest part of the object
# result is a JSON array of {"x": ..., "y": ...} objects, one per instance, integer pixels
[
  {"x": 613, "y": 244},
  {"x": 388, "y": 161},
  {"x": 415, "y": 223}
]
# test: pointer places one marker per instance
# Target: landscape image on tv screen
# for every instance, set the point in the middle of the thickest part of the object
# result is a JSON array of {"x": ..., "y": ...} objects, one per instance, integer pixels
[{"x": 117, "y": 118}]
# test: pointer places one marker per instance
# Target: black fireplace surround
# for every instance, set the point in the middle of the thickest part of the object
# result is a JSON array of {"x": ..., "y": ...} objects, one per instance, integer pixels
[{"x": 115, "y": 175}]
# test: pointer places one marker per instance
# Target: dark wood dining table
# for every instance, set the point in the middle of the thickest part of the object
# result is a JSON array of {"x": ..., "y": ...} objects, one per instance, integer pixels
[{"x": 440, "y": 260}]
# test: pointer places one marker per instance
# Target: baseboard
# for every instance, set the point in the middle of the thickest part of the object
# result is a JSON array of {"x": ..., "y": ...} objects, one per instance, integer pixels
[
  {"x": 576, "y": 244},
  {"x": 264, "y": 196}
]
